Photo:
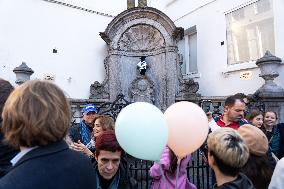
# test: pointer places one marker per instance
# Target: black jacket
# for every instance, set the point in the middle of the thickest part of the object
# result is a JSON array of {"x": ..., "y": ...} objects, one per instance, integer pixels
[
  {"x": 242, "y": 182},
  {"x": 54, "y": 166},
  {"x": 125, "y": 181},
  {"x": 74, "y": 132},
  {"x": 281, "y": 145},
  {"x": 6, "y": 154}
]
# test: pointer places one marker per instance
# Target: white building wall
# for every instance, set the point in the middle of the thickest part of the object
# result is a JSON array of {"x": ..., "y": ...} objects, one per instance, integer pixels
[
  {"x": 216, "y": 77},
  {"x": 30, "y": 29}
]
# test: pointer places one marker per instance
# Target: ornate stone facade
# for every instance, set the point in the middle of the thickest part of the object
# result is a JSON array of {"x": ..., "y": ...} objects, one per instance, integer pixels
[{"x": 138, "y": 32}]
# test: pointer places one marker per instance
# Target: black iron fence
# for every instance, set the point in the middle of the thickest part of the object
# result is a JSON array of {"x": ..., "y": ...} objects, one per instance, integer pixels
[{"x": 198, "y": 171}]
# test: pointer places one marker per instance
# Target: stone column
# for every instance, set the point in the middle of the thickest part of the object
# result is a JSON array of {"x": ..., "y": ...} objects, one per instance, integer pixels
[
  {"x": 171, "y": 76},
  {"x": 142, "y": 3},
  {"x": 271, "y": 94},
  {"x": 23, "y": 73},
  {"x": 130, "y": 4},
  {"x": 114, "y": 78}
]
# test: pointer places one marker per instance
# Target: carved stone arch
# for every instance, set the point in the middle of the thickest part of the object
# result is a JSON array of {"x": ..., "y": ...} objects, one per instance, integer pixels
[
  {"x": 135, "y": 16},
  {"x": 143, "y": 32}
]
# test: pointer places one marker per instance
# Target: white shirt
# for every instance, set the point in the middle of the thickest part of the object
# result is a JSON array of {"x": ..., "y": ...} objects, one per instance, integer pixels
[
  {"x": 213, "y": 125},
  {"x": 277, "y": 180},
  {"x": 23, "y": 152}
]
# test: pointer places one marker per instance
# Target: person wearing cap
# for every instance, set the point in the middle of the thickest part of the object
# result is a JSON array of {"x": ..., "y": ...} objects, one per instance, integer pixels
[
  {"x": 81, "y": 132},
  {"x": 227, "y": 154},
  {"x": 258, "y": 168},
  {"x": 110, "y": 171}
]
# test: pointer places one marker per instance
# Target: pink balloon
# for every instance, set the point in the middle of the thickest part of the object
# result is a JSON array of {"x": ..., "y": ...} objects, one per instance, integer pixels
[{"x": 188, "y": 127}]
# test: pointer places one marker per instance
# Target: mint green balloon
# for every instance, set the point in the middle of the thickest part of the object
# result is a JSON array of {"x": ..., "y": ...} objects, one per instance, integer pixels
[{"x": 141, "y": 130}]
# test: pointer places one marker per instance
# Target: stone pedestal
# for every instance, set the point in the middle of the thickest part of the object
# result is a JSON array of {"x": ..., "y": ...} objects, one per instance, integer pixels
[
  {"x": 271, "y": 94},
  {"x": 23, "y": 73}
]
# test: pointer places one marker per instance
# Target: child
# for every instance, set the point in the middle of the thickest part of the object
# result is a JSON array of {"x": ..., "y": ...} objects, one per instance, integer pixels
[{"x": 169, "y": 165}]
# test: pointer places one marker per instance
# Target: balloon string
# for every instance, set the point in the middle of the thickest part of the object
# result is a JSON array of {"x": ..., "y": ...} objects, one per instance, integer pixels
[
  {"x": 178, "y": 165},
  {"x": 163, "y": 175}
]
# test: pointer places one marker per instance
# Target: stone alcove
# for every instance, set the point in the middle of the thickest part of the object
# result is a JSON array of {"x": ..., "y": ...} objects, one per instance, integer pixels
[{"x": 136, "y": 32}]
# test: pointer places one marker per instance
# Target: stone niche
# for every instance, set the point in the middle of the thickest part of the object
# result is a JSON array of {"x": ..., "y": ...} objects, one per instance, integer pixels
[{"x": 137, "y": 32}]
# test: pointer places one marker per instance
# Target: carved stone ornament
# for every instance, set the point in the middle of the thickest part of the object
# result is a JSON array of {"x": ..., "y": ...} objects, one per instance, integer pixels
[
  {"x": 142, "y": 90},
  {"x": 98, "y": 91},
  {"x": 141, "y": 38},
  {"x": 189, "y": 86}
]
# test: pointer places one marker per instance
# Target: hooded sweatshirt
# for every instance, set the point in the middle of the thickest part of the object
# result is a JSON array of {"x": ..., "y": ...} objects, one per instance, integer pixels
[{"x": 242, "y": 182}]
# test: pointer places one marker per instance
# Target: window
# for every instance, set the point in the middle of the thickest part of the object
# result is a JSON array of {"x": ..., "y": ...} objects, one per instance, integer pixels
[
  {"x": 250, "y": 32},
  {"x": 188, "y": 48}
]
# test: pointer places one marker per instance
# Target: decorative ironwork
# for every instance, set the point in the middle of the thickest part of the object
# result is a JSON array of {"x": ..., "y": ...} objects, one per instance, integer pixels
[
  {"x": 198, "y": 171},
  {"x": 113, "y": 108}
]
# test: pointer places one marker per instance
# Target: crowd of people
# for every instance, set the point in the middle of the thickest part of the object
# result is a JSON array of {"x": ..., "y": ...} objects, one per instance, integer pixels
[
  {"x": 263, "y": 137},
  {"x": 40, "y": 149}
]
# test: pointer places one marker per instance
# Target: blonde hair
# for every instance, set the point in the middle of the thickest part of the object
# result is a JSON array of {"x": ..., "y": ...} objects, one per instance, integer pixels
[
  {"x": 228, "y": 146},
  {"x": 35, "y": 114}
]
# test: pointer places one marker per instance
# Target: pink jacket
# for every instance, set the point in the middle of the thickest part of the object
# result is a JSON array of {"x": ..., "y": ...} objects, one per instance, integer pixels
[{"x": 158, "y": 181}]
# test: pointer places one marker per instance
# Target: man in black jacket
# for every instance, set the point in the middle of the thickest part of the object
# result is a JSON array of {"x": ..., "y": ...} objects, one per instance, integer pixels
[
  {"x": 6, "y": 151},
  {"x": 110, "y": 172}
]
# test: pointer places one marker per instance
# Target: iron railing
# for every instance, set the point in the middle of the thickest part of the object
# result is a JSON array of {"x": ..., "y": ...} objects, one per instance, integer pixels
[{"x": 198, "y": 171}]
